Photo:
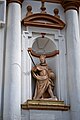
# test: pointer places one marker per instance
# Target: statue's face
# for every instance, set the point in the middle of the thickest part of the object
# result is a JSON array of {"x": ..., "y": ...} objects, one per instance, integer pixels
[{"x": 42, "y": 59}]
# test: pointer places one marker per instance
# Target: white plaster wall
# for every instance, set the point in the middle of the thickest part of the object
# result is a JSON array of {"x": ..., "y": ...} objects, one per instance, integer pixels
[
  {"x": 26, "y": 73},
  {"x": 2, "y": 36},
  {"x": 45, "y": 115},
  {"x": 3, "y": 12},
  {"x": 2, "y": 47}
]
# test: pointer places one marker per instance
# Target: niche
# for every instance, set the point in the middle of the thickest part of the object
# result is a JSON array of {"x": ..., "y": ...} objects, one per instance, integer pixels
[{"x": 43, "y": 45}]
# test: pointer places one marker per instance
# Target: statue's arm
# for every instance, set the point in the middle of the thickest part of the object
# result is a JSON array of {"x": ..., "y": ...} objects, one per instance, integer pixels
[
  {"x": 34, "y": 69},
  {"x": 38, "y": 77},
  {"x": 42, "y": 77},
  {"x": 51, "y": 74}
]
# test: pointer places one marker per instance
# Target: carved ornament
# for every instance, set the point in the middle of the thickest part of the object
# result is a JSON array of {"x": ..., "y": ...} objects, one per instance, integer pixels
[
  {"x": 17, "y": 1},
  {"x": 43, "y": 19}
]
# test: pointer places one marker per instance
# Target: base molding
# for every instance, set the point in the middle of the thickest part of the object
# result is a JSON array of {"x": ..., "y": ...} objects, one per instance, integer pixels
[{"x": 45, "y": 105}]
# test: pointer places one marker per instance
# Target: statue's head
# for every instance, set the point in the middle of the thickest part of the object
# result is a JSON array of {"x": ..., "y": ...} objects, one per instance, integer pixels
[{"x": 42, "y": 58}]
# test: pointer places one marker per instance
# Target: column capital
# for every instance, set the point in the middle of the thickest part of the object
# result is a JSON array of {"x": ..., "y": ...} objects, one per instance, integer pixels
[
  {"x": 15, "y": 1},
  {"x": 71, "y": 4}
]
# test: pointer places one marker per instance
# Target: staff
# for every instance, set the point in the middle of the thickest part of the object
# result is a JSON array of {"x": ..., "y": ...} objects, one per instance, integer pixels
[{"x": 31, "y": 58}]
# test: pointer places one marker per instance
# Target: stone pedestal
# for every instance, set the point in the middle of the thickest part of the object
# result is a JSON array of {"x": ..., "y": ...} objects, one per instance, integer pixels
[
  {"x": 45, "y": 105},
  {"x": 45, "y": 110}
]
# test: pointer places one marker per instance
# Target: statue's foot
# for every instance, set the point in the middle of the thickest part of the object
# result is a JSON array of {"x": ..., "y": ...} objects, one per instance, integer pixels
[{"x": 54, "y": 97}]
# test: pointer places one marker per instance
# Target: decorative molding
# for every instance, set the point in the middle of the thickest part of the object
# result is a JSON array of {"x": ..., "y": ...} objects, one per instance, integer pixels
[
  {"x": 56, "y": 12},
  {"x": 52, "y": 54},
  {"x": 29, "y": 10},
  {"x": 45, "y": 105},
  {"x": 43, "y": 8},
  {"x": 17, "y": 1},
  {"x": 70, "y": 4},
  {"x": 43, "y": 20}
]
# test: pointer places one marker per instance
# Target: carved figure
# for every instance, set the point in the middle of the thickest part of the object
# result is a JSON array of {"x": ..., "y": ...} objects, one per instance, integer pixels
[{"x": 44, "y": 80}]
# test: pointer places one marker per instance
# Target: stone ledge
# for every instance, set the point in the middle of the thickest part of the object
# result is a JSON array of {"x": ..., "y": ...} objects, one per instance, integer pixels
[{"x": 45, "y": 105}]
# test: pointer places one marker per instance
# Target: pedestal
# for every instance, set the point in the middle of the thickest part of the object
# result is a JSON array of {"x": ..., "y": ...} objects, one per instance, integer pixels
[{"x": 45, "y": 110}]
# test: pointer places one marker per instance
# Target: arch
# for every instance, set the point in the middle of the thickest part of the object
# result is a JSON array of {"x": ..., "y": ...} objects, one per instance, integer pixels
[{"x": 43, "y": 46}]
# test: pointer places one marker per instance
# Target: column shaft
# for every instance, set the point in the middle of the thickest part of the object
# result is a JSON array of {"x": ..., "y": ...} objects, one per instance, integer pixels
[
  {"x": 12, "y": 92},
  {"x": 73, "y": 60}
]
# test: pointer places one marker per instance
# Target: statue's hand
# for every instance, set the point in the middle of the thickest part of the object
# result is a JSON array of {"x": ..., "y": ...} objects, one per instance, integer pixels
[
  {"x": 34, "y": 69},
  {"x": 35, "y": 75}
]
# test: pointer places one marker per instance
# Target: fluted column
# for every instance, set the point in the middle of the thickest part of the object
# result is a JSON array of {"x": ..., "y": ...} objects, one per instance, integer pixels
[
  {"x": 12, "y": 91},
  {"x": 73, "y": 56}
]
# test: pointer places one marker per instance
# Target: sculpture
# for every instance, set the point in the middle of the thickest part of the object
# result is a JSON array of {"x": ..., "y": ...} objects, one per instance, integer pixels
[{"x": 44, "y": 80}]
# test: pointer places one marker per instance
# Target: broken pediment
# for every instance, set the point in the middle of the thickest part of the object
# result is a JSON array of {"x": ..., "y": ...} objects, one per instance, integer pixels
[{"x": 43, "y": 19}]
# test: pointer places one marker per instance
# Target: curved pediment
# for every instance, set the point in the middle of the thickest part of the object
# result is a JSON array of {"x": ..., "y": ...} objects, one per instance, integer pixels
[{"x": 43, "y": 20}]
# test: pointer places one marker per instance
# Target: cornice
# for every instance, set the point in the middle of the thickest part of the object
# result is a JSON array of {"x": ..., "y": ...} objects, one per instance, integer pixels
[{"x": 15, "y": 1}]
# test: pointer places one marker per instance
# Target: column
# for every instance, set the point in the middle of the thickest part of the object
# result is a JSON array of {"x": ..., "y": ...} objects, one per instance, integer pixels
[
  {"x": 73, "y": 57},
  {"x": 12, "y": 88}
]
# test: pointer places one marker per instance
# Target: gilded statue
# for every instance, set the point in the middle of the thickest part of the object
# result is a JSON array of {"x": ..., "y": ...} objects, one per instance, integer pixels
[{"x": 45, "y": 78}]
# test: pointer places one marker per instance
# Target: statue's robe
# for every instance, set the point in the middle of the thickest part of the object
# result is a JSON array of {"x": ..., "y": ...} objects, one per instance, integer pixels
[{"x": 44, "y": 79}]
